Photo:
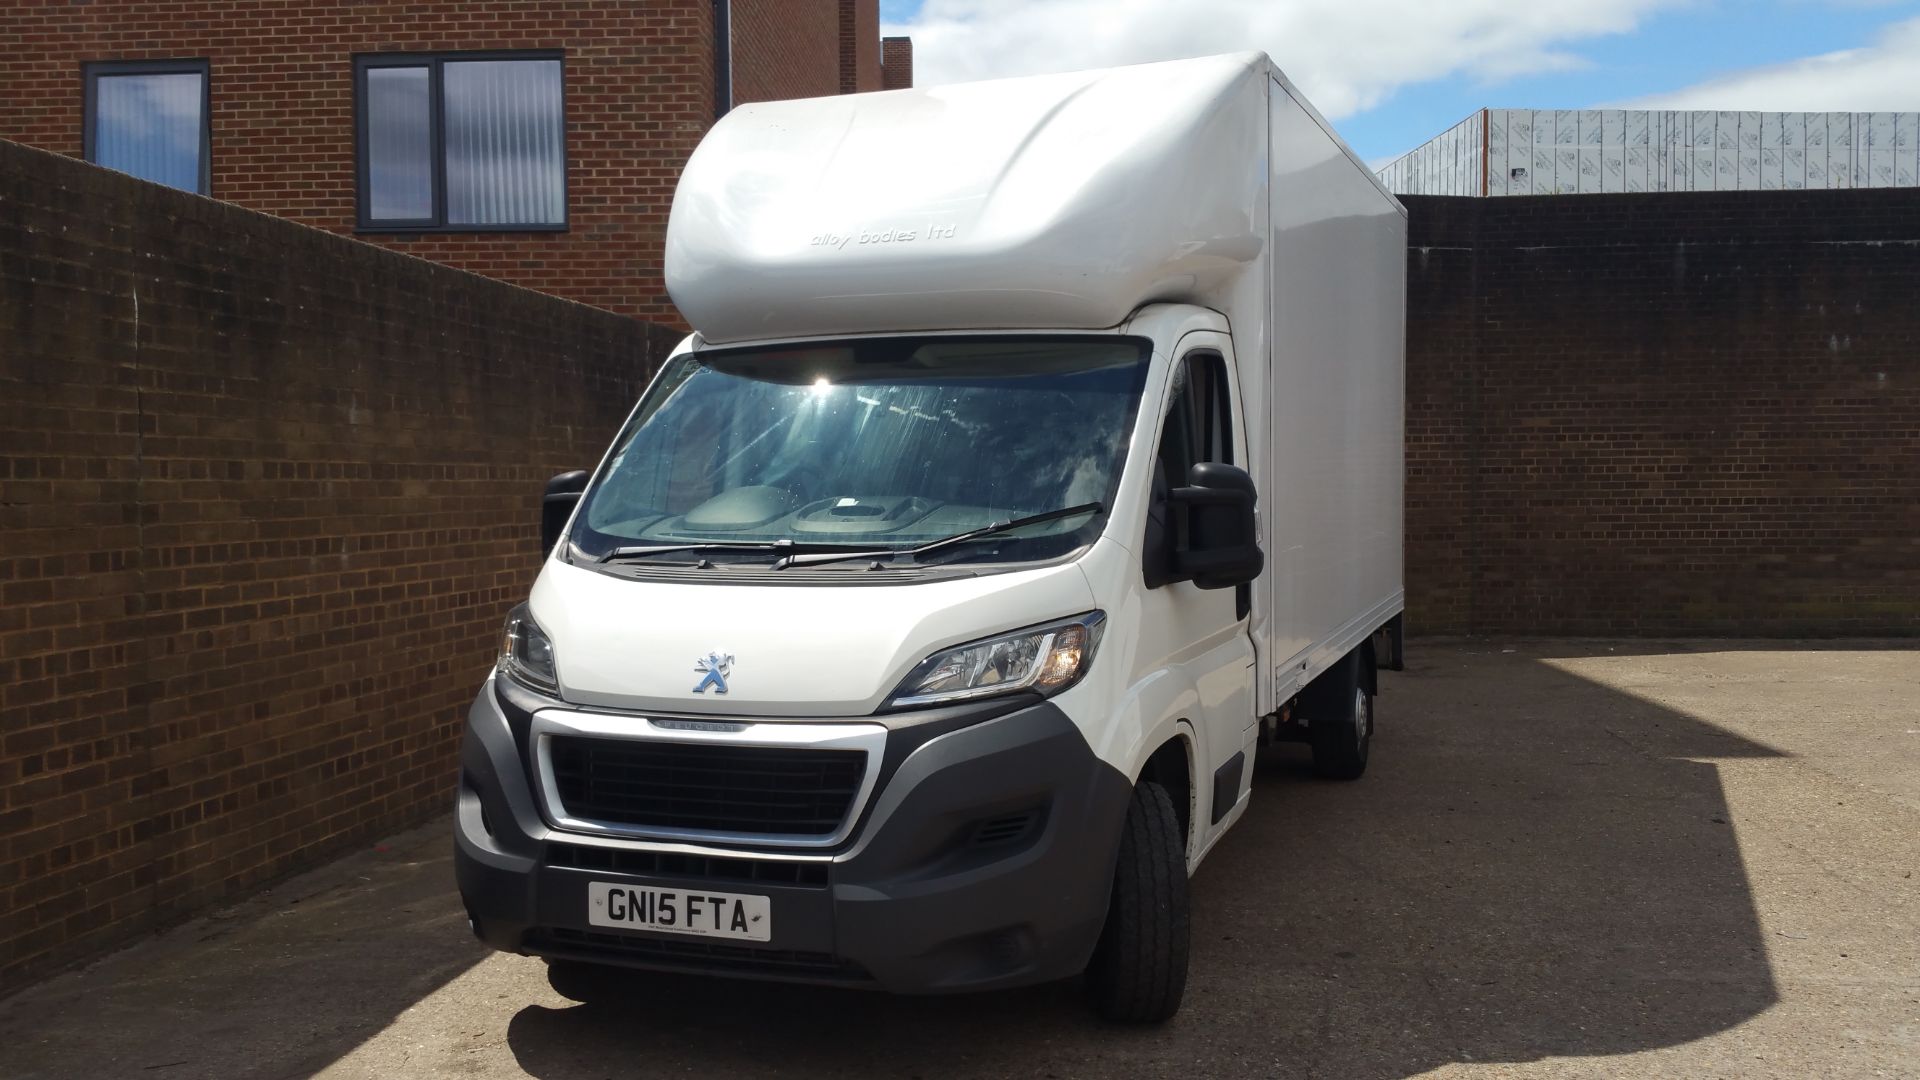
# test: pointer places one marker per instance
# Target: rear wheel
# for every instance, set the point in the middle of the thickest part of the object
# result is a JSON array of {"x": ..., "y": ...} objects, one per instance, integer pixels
[
  {"x": 1139, "y": 968},
  {"x": 1340, "y": 720}
]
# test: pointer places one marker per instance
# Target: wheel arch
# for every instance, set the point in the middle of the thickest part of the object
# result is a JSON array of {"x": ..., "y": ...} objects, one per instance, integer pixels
[{"x": 1171, "y": 765}]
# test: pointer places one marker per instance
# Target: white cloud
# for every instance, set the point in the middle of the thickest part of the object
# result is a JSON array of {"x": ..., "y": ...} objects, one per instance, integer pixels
[
  {"x": 1348, "y": 55},
  {"x": 1882, "y": 76}
]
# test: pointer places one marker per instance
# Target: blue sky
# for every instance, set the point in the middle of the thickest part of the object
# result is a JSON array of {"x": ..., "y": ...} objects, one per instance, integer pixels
[{"x": 1393, "y": 73}]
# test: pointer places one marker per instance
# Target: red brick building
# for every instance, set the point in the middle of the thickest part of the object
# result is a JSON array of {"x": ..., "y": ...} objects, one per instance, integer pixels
[{"x": 535, "y": 141}]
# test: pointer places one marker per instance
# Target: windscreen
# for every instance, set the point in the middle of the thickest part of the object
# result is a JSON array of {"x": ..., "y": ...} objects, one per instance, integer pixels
[{"x": 877, "y": 444}]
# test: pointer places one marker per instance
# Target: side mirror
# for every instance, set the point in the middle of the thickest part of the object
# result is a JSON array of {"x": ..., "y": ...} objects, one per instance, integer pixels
[
  {"x": 563, "y": 494},
  {"x": 1220, "y": 546}
]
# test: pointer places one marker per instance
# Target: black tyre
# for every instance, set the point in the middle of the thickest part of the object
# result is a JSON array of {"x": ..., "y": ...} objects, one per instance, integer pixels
[
  {"x": 1340, "y": 720},
  {"x": 1139, "y": 968},
  {"x": 582, "y": 982}
]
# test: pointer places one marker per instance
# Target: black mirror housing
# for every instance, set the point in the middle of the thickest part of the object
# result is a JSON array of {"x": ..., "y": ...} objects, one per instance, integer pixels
[
  {"x": 556, "y": 506},
  {"x": 1220, "y": 546}
]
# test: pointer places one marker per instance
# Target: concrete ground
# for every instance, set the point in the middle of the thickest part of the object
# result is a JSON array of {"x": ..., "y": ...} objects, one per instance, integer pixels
[{"x": 1641, "y": 858}]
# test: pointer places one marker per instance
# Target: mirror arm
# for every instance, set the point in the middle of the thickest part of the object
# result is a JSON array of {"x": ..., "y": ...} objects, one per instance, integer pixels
[{"x": 1201, "y": 496}]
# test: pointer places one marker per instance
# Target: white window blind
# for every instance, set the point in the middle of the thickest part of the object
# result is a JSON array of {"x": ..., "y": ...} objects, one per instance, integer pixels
[
  {"x": 504, "y": 133},
  {"x": 462, "y": 142}
]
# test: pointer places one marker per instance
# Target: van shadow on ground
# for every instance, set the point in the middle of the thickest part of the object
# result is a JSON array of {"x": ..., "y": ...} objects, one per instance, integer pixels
[{"x": 1535, "y": 866}]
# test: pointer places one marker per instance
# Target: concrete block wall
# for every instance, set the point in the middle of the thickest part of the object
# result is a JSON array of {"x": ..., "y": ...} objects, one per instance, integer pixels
[
  {"x": 266, "y": 494},
  {"x": 1674, "y": 413}
]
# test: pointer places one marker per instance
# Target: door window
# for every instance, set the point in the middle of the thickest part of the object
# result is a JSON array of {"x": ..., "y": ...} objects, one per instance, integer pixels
[
  {"x": 1199, "y": 417},
  {"x": 1199, "y": 427}
]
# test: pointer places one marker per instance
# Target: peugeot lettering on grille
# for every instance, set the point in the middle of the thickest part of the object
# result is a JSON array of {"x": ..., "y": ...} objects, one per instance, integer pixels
[{"x": 716, "y": 666}]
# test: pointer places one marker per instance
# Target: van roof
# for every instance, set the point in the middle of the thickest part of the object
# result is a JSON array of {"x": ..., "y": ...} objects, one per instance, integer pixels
[{"x": 1053, "y": 201}]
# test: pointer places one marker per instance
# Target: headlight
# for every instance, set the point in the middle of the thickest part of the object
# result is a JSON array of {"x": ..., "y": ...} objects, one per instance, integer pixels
[
  {"x": 1046, "y": 659},
  {"x": 526, "y": 653}
]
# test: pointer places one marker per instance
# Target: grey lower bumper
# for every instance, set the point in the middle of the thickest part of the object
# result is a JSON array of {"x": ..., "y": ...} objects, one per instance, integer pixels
[{"x": 941, "y": 887}]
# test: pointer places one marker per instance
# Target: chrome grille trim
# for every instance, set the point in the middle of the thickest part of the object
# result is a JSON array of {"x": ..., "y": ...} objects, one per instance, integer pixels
[{"x": 871, "y": 739}]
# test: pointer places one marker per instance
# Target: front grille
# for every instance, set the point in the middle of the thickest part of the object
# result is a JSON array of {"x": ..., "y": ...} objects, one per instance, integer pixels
[
  {"x": 698, "y": 955},
  {"x": 703, "y": 867},
  {"x": 706, "y": 787}
]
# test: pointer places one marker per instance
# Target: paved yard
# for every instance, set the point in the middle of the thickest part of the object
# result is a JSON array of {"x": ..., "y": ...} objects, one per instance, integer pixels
[{"x": 1570, "y": 859}]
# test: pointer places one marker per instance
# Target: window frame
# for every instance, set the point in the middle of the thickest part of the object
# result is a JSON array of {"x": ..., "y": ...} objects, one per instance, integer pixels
[
  {"x": 434, "y": 62},
  {"x": 90, "y": 75}
]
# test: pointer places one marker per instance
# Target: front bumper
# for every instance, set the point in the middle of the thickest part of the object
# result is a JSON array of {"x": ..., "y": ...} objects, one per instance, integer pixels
[{"x": 983, "y": 859}]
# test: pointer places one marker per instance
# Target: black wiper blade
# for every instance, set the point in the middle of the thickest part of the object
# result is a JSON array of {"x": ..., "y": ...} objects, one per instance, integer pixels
[
  {"x": 1003, "y": 526},
  {"x": 817, "y": 558},
  {"x": 642, "y": 551}
]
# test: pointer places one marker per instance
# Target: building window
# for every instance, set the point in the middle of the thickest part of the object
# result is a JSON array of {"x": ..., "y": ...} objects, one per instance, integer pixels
[
  {"x": 463, "y": 142},
  {"x": 149, "y": 118}
]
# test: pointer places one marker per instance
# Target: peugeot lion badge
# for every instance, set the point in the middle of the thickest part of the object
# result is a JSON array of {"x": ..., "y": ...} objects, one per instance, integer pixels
[{"x": 716, "y": 665}]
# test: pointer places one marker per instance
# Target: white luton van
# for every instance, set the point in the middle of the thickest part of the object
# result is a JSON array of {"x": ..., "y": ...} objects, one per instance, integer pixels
[{"x": 1036, "y": 457}]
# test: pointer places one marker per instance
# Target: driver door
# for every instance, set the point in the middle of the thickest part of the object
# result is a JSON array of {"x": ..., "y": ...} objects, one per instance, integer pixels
[{"x": 1204, "y": 632}]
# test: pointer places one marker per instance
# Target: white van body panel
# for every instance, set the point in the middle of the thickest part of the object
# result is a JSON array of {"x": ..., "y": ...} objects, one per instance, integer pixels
[
  {"x": 1152, "y": 687},
  {"x": 1053, "y": 201},
  {"x": 799, "y": 650},
  {"x": 1334, "y": 388}
]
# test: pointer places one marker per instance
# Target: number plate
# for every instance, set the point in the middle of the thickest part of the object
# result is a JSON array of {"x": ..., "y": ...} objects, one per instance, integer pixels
[{"x": 679, "y": 911}]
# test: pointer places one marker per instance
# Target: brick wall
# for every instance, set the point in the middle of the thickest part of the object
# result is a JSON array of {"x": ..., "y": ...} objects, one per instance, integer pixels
[
  {"x": 265, "y": 495},
  {"x": 1664, "y": 414},
  {"x": 639, "y": 86},
  {"x": 785, "y": 49},
  {"x": 896, "y": 63},
  {"x": 859, "y": 46}
]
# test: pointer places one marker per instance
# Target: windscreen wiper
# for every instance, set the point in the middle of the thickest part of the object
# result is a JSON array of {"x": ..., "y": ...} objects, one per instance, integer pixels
[
  {"x": 642, "y": 551},
  {"x": 817, "y": 558}
]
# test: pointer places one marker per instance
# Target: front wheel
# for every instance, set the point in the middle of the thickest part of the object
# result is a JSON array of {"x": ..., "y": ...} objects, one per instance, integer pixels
[{"x": 1139, "y": 968}]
